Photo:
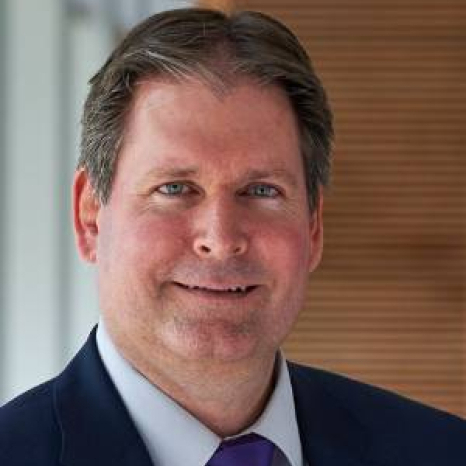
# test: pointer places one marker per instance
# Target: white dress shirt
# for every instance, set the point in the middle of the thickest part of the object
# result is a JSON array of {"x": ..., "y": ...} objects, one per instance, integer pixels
[{"x": 174, "y": 437}]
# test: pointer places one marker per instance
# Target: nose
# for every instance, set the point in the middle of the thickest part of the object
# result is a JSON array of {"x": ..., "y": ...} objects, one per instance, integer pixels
[{"x": 219, "y": 232}]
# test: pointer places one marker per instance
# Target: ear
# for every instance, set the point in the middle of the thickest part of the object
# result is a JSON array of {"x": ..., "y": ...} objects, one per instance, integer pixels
[
  {"x": 316, "y": 234},
  {"x": 86, "y": 207}
]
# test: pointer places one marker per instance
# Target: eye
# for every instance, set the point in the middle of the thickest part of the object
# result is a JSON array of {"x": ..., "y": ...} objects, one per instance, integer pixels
[
  {"x": 262, "y": 190},
  {"x": 174, "y": 189}
]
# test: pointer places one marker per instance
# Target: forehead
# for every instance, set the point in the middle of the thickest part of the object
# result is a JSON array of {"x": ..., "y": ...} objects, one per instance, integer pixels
[
  {"x": 245, "y": 122},
  {"x": 261, "y": 103}
]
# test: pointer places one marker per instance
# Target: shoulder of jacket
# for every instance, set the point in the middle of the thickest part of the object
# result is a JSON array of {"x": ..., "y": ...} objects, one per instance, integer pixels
[
  {"x": 29, "y": 433},
  {"x": 393, "y": 420}
]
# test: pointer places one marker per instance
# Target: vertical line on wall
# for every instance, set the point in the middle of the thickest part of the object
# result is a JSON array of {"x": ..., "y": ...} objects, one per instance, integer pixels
[
  {"x": 63, "y": 187},
  {"x": 3, "y": 145}
]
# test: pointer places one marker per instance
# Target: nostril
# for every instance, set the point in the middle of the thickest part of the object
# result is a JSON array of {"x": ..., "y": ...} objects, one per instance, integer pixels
[
  {"x": 238, "y": 250},
  {"x": 219, "y": 247}
]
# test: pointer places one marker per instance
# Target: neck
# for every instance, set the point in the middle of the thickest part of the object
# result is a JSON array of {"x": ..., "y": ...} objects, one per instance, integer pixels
[
  {"x": 226, "y": 397},
  {"x": 226, "y": 401}
]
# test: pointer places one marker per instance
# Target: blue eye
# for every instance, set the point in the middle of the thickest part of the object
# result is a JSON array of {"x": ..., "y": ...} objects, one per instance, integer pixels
[
  {"x": 262, "y": 190},
  {"x": 173, "y": 189}
]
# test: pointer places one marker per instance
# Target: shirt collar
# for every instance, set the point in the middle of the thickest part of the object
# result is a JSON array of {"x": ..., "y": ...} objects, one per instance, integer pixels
[
  {"x": 278, "y": 421},
  {"x": 165, "y": 426}
]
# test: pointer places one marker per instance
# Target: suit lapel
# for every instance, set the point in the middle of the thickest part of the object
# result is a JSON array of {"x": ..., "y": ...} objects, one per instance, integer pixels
[
  {"x": 330, "y": 435},
  {"x": 95, "y": 426}
]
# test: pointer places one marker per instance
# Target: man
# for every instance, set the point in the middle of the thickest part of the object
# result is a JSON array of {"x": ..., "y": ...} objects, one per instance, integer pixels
[{"x": 198, "y": 195}]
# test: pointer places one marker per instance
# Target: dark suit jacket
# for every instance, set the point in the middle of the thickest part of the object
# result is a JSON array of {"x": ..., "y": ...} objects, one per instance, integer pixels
[{"x": 78, "y": 419}]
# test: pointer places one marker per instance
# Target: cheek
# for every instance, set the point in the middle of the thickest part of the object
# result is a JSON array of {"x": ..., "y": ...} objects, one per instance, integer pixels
[
  {"x": 285, "y": 248},
  {"x": 285, "y": 254},
  {"x": 146, "y": 245},
  {"x": 157, "y": 239}
]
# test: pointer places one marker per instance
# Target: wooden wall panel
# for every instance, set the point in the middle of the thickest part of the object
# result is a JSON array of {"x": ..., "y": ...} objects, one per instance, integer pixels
[{"x": 388, "y": 303}]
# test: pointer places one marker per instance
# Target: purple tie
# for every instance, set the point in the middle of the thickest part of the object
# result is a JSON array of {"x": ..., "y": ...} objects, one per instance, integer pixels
[{"x": 247, "y": 450}]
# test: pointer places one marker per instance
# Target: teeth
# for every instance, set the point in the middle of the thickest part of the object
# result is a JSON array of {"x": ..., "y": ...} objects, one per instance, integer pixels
[{"x": 235, "y": 289}]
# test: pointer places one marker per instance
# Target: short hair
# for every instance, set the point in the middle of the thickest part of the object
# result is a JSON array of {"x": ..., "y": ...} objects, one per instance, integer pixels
[{"x": 216, "y": 47}]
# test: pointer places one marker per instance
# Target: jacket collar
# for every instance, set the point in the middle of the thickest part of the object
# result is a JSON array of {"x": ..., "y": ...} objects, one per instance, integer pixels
[
  {"x": 95, "y": 426},
  {"x": 330, "y": 434}
]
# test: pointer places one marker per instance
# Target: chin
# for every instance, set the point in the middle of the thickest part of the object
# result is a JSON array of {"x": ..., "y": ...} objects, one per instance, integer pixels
[{"x": 221, "y": 342}]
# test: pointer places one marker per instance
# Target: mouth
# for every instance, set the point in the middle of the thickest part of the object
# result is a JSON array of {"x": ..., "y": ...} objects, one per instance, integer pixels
[{"x": 219, "y": 291}]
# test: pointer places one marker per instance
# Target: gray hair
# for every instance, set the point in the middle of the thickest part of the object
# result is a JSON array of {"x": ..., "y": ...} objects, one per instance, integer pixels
[{"x": 216, "y": 47}]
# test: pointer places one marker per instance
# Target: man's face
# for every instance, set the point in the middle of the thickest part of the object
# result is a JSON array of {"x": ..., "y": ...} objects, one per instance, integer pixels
[{"x": 204, "y": 247}]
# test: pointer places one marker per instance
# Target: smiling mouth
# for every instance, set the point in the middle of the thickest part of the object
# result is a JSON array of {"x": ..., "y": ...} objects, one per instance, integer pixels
[{"x": 235, "y": 290}]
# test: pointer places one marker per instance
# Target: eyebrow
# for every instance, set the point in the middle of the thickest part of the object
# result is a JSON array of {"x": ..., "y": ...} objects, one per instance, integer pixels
[
  {"x": 282, "y": 174},
  {"x": 183, "y": 172},
  {"x": 171, "y": 173},
  {"x": 251, "y": 175}
]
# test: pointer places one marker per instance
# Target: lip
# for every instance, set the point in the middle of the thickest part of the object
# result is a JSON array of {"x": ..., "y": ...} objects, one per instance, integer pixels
[{"x": 236, "y": 291}]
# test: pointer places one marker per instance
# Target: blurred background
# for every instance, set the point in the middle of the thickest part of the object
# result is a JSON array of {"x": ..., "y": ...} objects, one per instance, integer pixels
[{"x": 387, "y": 305}]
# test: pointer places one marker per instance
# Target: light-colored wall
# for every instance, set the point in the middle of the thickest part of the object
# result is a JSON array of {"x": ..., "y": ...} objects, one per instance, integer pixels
[
  {"x": 44, "y": 287},
  {"x": 2, "y": 177},
  {"x": 31, "y": 187}
]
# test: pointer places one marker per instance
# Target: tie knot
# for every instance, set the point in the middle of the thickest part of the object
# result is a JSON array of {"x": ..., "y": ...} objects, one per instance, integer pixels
[{"x": 247, "y": 450}]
